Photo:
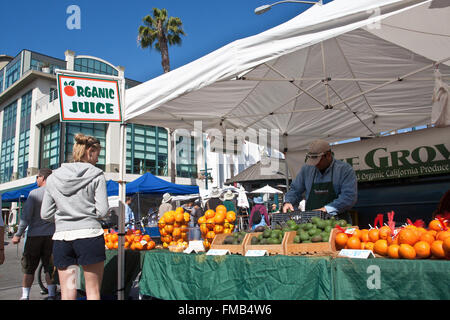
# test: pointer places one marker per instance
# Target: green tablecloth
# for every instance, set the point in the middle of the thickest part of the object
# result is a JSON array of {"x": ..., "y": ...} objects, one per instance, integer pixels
[{"x": 167, "y": 275}]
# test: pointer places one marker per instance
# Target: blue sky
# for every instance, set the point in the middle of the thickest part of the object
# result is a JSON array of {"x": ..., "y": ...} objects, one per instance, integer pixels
[{"x": 109, "y": 29}]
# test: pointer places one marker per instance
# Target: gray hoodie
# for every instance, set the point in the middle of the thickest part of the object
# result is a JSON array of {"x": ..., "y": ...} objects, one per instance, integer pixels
[{"x": 75, "y": 197}]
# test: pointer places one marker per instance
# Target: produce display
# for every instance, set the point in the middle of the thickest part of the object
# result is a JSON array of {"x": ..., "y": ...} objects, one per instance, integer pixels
[
  {"x": 134, "y": 240},
  {"x": 408, "y": 242},
  {"x": 173, "y": 228},
  {"x": 318, "y": 230},
  {"x": 216, "y": 222}
]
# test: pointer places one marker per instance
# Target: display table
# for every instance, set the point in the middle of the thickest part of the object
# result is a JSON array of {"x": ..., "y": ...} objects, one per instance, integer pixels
[{"x": 168, "y": 275}]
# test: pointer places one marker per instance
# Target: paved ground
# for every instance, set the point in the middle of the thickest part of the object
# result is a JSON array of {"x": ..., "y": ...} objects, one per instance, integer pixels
[{"x": 11, "y": 274}]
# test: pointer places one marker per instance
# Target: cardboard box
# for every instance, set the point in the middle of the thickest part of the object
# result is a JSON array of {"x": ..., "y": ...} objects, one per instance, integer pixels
[
  {"x": 292, "y": 248},
  {"x": 272, "y": 249},
  {"x": 217, "y": 243}
]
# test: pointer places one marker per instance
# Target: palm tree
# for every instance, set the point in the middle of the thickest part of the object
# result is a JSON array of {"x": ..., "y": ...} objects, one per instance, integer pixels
[{"x": 160, "y": 31}]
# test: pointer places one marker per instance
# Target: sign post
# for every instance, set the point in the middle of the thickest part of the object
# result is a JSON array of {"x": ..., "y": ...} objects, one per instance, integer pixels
[{"x": 87, "y": 97}]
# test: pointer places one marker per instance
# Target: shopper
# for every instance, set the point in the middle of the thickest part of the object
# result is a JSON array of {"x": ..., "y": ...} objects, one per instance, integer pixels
[
  {"x": 214, "y": 200},
  {"x": 165, "y": 206},
  {"x": 260, "y": 208},
  {"x": 329, "y": 184},
  {"x": 76, "y": 200},
  {"x": 130, "y": 221},
  {"x": 2, "y": 241},
  {"x": 228, "y": 201},
  {"x": 39, "y": 243}
]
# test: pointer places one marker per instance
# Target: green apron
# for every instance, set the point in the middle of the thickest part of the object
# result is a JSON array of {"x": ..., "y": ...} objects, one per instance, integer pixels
[{"x": 322, "y": 193}]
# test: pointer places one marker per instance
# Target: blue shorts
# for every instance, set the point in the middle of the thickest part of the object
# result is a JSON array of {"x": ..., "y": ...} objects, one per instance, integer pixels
[{"x": 78, "y": 252}]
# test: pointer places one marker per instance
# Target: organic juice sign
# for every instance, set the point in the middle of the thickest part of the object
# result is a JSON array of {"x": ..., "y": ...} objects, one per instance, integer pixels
[{"x": 89, "y": 99}]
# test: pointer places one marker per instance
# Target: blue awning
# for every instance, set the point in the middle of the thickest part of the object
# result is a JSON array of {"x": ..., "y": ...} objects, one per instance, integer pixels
[{"x": 18, "y": 194}]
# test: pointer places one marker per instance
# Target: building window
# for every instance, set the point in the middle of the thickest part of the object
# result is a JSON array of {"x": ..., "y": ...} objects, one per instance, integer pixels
[
  {"x": 1, "y": 80},
  {"x": 8, "y": 137},
  {"x": 94, "y": 66},
  {"x": 24, "y": 137},
  {"x": 186, "y": 162},
  {"x": 50, "y": 137},
  {"x": 97, "y": 130},
  {"x": 39, "y": 64},
  {"x": 147, "y": 150},
  {"x": 12, "y": 73},
  {"x": 53, "y": 94}
]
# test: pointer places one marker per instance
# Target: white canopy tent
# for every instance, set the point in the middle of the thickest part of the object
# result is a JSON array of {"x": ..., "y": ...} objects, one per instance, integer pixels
[
  {"x": 267, "y": 189},
  {"x": 338, "y": 71}
]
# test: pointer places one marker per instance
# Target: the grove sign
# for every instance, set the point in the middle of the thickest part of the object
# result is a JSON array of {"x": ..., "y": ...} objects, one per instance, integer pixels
[{"x": 89, "y": 99}]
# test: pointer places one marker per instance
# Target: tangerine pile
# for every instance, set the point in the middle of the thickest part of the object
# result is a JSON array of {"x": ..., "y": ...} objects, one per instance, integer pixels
[
  {"x": 411, "y": 242},
  {"x": 134, "y": 240},
  {"x": 216, "y": 222},
  {"x": 173, "y": 227}
]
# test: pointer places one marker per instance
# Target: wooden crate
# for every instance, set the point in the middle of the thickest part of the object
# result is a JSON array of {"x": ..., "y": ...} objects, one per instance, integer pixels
[
  {"x": 217, "y": 243},
  {"x": 272, "y": 249},
  {"x": 292, "y": 248}
]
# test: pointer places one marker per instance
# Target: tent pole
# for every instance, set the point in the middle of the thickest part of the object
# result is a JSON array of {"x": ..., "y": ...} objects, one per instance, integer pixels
[
  {"x": 121, "y": 222},
  {"x": 121, "y": 248}
]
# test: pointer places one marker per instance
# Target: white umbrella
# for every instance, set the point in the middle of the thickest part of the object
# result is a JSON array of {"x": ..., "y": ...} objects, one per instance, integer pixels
[{"x": 267, "y": 189}]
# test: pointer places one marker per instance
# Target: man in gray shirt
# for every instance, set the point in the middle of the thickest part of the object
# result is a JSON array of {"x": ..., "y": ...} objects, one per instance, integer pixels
[{"x": 39, "y": 243}]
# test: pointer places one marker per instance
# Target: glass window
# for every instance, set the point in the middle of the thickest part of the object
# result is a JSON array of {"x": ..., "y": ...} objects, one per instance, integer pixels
[
  {"x": 186, "y": 162},
  {"x": 12, "y": 73},
  {"x": 143, "y": 152},
  {"x": 94, "y": 66},
  {"x": 97, "y": 130},
  {"x": 50, "y": 146},
  {"x": 1, "y": 80},
  {"x": 8, "y": 137},
  {"x": 24, "y": 137}
]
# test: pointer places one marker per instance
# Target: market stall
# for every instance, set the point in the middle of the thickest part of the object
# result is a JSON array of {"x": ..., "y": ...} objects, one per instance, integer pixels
[{"x": 343, "y": 70}]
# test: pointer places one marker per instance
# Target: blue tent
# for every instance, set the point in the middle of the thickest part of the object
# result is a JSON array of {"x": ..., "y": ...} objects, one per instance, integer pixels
[
  {"x": 150, "y": 184},
  {"x": 18, "y": 194}
]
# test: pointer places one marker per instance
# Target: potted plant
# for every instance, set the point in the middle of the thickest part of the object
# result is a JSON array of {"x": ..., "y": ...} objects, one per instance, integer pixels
[{"x": 45, "y": 67}]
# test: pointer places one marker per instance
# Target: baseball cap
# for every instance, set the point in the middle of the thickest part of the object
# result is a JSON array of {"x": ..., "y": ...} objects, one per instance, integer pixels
[{"x": 316, "y": 150}]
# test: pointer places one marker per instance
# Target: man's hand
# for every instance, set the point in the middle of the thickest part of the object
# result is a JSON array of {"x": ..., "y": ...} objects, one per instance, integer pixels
[
  {"x": 15, "y": 239},
  {"x": 321, "y": 209},
  {"x": 287, "y": 206}
]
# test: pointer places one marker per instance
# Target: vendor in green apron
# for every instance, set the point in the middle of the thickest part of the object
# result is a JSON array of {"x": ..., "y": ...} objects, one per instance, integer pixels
[{"x": 328, "y": 185}]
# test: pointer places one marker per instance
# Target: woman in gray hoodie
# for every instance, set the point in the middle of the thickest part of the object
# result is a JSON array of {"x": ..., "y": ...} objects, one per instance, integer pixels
[{"x": 75, "y": 200}]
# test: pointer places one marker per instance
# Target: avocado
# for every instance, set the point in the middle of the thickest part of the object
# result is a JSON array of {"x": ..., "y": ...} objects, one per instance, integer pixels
[
  {"x": 240, "y": 238},
  {"x": 312, "y": 231},
  {"x": 259, "y": 237},
  {"x": 235, "y": 241},
  {"x": 263, "y": 241},
  {"x": 290, "y": 222},
  {"x": 297, "y": 239},
  {"x": 267, "y": 233},
  {"x": 321, "y": 224},
  {"x": 228, "y": 240},
  {"x": 342, "y": 223},
  {"x": 308, "y": 226},
  {"x": 325, "y": 236},
  {"x": 316, "y": 238},
  {"x": 307, "y": 241},
  {"x": 273, "y": 241},
  {"x": 254, "y": 240},
  {"x": 328, "y": 229},
  {"x": 314, "y": 220},
  {"x": 304, "y": 236},
  {"x": 277, "y": 227},
  {"x": 235, "y": 234}
]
